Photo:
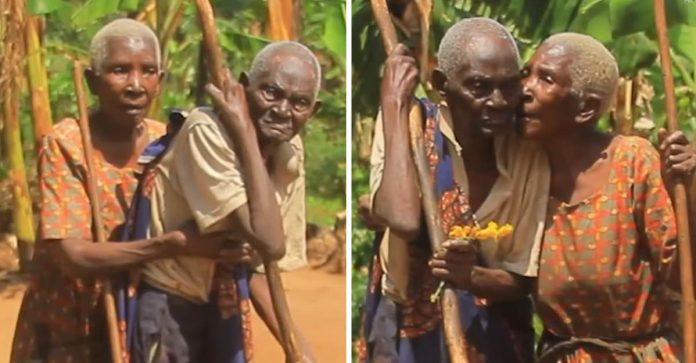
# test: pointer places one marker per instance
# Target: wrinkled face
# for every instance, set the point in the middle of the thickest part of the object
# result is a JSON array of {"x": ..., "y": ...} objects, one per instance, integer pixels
[
  {"x": 128, "y": 80},
  {"x": 282, "y": 99},
  {"x": 549, "y": 106},
  {"x": 484, "y": 93}
]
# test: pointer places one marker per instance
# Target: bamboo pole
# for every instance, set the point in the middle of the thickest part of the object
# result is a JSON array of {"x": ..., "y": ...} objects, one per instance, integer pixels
[
  {"x": 118, "y": 353},
  {"x": 454, "y": 336},
  {"x": 275, "y": 283},
  {"x": 10, "y": 79},
  {"x": 38, "y": 82},
  {"x": 685, "y": 256},
  {"x": 281, "y": 22}
]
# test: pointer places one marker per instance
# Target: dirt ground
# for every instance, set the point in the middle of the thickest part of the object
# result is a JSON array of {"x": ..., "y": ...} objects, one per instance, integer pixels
[{"x": 317, "y": 300}]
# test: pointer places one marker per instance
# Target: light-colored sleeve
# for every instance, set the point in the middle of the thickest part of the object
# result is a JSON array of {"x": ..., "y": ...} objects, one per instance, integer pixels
[
  {"x": 293, "y": 210},
  {"x": 376, "y": 159},
  {"x": 207, "y": 171}
]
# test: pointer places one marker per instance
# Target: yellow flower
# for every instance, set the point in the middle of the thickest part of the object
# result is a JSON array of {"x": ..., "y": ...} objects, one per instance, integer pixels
[
  {"x": 492, "y": 231},
  {"x": 504, "y": 230}
]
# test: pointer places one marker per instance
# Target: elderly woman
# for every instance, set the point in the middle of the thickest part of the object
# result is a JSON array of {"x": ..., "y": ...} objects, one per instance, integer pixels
[
  {"x": 62, "y": 317},
  {"x": 609, "y": 245}
]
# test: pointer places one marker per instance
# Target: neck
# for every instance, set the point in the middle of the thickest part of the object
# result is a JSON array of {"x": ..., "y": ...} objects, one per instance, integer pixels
[
  {"x": 111, "y": 128},
  {"x": 575, "y": 151},
  {"x": 478, "y": 151}
]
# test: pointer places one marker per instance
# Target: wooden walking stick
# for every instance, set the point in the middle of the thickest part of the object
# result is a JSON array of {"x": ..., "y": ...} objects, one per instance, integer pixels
[
  {"x": 454, "y": 336},
  {"x": 685, "y": 256},
  {"x": 118, "y": 355},
  {"x": 275, "y": 283}
]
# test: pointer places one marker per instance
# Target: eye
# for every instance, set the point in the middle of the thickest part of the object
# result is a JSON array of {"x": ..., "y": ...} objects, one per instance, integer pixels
[
  {"x": 547, "y": 79},
  {"x": 150, "y": 70},
  {"x": 119, "y": 70},
  {"x": 480, "y": 87},
  {"x": 270, "y": 93},
  {"x": 301, "y": 104},
  {"x": 524, "y": 73}
]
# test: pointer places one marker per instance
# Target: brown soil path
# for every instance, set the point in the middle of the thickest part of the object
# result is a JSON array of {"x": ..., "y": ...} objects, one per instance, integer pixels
[{"x": 317, "y": 300}]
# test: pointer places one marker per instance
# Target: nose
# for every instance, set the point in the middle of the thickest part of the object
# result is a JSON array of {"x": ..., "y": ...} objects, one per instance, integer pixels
[
  {"x": 282, "y": 109},
  {"x": 135, "y": 83},
  {"x": 497, "y": 100},
  {"x": 526, "y": 93}
]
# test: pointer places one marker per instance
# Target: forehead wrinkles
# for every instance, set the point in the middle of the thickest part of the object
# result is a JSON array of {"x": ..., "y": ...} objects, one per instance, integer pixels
[
  {"x": 124, "y": 47},
  {"x": 487, "y": 55},
  {"x": 290, "y": 72}
]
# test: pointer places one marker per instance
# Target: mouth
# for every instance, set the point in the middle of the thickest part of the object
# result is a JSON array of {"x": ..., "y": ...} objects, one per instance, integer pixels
[
  {"x": 279, "y": 128},
  {"x": 496, "y": 124},
  {"x": 134, "y": 109}
]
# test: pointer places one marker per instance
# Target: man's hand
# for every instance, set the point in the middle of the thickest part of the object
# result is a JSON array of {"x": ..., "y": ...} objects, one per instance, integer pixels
[
  {"x": 231, "y": 105},
  {"x": 677, "y": 154},
  {"x": 235, "y": 253},
  {"x": 400, "y": 76},
  {"x": 455, "y": 262}
]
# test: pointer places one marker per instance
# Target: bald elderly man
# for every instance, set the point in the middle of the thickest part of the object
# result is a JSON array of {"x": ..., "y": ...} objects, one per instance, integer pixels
[
  {"x": 62, "y": 316},
  {"x": 235, "y": 170},
  {"x": 483, "y": 173}
]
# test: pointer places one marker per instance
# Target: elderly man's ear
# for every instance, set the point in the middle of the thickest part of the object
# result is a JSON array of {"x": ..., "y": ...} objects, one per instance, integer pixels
[
  {"x": 589, "y": 109},
  {"x": 439, "y": 81}
]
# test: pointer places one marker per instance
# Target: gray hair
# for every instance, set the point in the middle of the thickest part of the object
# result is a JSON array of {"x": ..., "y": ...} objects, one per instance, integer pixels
[
  {"x": 451, "y": 56},
  {"x": 120, "y": 28},
  {"x": 263, "y": 60},
  {"x": 592, "y": 68}
]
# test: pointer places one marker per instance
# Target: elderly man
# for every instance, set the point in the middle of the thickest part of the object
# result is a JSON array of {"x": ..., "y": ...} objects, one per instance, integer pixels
[
  {"x": 474, "y": 154},
  {"x": 235, "y": 171},
  {"x": 62, "y": 316}
]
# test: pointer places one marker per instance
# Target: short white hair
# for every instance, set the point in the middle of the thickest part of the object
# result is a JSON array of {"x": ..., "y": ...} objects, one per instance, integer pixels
[
  {"x": 592, "y": 68},
  {"x": 263, "y": 60},
  {"x": 451, "y": 56},
  {"x": 121, "y": 28}
]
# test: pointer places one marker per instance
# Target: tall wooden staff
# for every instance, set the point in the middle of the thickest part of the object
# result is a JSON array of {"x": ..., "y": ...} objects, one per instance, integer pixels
[
  {"x": 454, "y": 336},
  {"x": 118, "y": 355},
  {"x": 685, "y": 260},
  {"x": 275, "y": 283}
]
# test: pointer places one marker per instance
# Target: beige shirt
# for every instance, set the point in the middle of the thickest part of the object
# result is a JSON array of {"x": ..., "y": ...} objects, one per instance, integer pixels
[
  {"x": 200, "y": 179},
  {"x": 519, "y": 197}
]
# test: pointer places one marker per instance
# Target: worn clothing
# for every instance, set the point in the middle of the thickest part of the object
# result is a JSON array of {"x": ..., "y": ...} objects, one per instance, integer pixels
[
  {"x": 604, "y": 262},
  {"x": 62, "y": 318},
  {"x": 518, "y": 197},
  {"x": 200, "y": 178},
  {"x": 176, "y": 330},
  {"x": 408, "y": 329}
]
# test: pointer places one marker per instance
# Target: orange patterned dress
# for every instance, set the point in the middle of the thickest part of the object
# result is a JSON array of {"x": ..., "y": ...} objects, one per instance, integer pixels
[
  {"x": 61, "y": 318},
  {"x": 604, "y": 262}
]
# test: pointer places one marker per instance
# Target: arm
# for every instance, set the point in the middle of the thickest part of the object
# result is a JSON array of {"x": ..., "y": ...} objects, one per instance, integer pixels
[
  {"x": 456, "y": 263},
  {"x": 397, "y": 198},
  {"x": 259, "y": 220},
  {"x": 80, "y": 258}
]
